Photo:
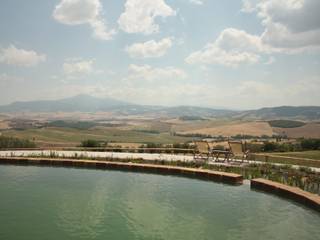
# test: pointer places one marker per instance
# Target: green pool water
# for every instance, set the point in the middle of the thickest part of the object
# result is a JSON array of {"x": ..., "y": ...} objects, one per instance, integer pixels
[{"x": 66, "y": 203}]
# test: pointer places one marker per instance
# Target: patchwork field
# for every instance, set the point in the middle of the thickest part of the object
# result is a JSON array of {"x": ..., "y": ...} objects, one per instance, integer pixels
[
  {"x": 139, "y": 129},
  {"x": 247, "y": 128},
  {"x": 310, "y": 130},
  {"x": 73, "y": 137},
  {"x": 4, "y": 125}
]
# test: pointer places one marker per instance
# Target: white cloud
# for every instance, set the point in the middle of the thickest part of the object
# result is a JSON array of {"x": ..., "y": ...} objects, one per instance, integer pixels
[
  {"x": 232, "y": 48},
  {"x": 20, "y": 57},
  {"x": 139, "y": 15},
  {"x": 240, "y": 40},
  {"x": 146, "y": 72},
  {"x": 149, "y": 49},
  {"x": 257, "y": 89},
  {"x": 78, "y": 67},
  {"x": 214, "y": 55},
  {"x": 196, "y": 2},
  {"x": 290, "y": 25},
  {"x": 248, "y": 6},
  {"x": 77, "y": 12}
]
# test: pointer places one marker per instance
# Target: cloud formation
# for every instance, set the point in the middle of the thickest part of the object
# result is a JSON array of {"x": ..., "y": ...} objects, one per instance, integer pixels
[
  {"x": 139, "y": 15},
  {"x": 149, "y": 49},
  {"x": 78, "y": 66},
  {"x": 146, "y": 72},
  {"x": 196, "y": 2},
  {"x": 20, "y": 57},
  {"x": 290, "y": 25},
  {"x": 232, "y": 48},
  {"x": 77, "y": 12}
]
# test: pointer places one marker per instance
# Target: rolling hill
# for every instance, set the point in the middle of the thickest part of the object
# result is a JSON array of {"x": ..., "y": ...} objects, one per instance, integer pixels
[
  {"x": 86, "y": 103},
  {"x": 284, "y": 112}
]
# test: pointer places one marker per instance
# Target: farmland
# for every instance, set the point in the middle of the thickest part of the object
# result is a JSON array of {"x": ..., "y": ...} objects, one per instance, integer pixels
[
  {"x": 67, "y": 130},
  {"x": 72, "y": 137},
  {"x": 232, "y": 129},
  {"x": 310, "y": 130}
]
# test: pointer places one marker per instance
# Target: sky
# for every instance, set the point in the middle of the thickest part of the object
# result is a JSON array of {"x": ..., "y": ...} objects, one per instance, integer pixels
[{"x": 232, "y": 54}]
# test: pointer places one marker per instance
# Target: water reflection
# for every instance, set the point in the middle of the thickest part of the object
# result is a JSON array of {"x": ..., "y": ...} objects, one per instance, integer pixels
[{"x": 91, "y": 204}]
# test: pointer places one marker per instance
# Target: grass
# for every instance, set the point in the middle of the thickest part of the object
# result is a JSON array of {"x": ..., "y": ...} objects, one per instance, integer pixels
[{"x": 75, "y": 136}]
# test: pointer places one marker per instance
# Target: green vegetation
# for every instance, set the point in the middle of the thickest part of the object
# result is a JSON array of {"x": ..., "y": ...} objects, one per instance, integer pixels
[
  {"x": 10, "y": 142},
  {"x": 90, "y": 143},
  {"x": 147, "y": 131},
  {"x": 70, "y": 124},
  {"x": 286, "y": 123},
  {"x": 191, "y": 118},
  {"x": 192, "y": 135},
  {"x": 245, "y": 136},
  {"x": 299, "y": 146},
  {"x": 310, "y": 144},
  {"x": 281, "y": 147}
]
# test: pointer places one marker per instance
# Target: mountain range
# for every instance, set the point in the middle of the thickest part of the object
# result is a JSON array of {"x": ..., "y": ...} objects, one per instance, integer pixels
[{"x": 86, "y": 103}]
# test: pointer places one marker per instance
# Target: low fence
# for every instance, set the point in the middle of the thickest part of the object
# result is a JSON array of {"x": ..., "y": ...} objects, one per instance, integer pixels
[{"x": 269, "y": 158}]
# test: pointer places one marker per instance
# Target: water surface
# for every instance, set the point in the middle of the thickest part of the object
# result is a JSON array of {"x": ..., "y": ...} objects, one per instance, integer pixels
[{"x": 65, "y": 203}]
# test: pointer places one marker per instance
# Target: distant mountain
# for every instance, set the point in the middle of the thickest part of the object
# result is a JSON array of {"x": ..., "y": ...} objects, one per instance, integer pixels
[
  {"x": 86, "y": 103},
  {"x": 284, "y": 112},
  {"x": 196, "y": 111},
  {"x": 81, "y": 103}
]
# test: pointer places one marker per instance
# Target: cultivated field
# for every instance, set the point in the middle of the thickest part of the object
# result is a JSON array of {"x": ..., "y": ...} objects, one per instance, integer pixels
[
  {"x": 310, "y": 130},
  {"x": 4, "y": 125},
  {"x": 65, "y": 129},
  {"x": 247, "y": 128},
  {"x": 73, "y": 137}
]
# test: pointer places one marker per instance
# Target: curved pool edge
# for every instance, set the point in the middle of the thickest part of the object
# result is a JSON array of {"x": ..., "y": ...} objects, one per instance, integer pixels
[
  {"x": 296, "y": 194},
  {"x": 216, "y": 176}
]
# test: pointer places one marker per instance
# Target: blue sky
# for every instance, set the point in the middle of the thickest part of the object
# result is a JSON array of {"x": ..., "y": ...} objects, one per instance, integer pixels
[{"x": 232, "y": 53}]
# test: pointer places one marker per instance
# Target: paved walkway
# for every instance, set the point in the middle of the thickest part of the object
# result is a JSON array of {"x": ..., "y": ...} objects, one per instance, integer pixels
[{"x": 120, "y": 155}]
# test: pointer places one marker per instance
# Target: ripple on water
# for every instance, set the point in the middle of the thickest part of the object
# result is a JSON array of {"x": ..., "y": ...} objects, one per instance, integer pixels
[{"x": 66, "y": 203}]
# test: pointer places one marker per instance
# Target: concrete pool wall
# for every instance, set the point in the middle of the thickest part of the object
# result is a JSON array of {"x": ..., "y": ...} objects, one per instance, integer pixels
[
  {"x": 224, "y": 177},
  {"x": 293, "y": 193},
  {"x": 308, "y": 199}
]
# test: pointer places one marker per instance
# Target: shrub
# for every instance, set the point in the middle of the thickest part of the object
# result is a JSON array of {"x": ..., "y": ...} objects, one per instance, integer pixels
[
  {"x": 81, "y": 125},
  {"x": 269, "y": 147},
  {"x": 310, "y": 144},
  {"x": 286, "y": 123},
  {"x": 90, "y": 143},
  {"x": 10, "y": 142}
]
